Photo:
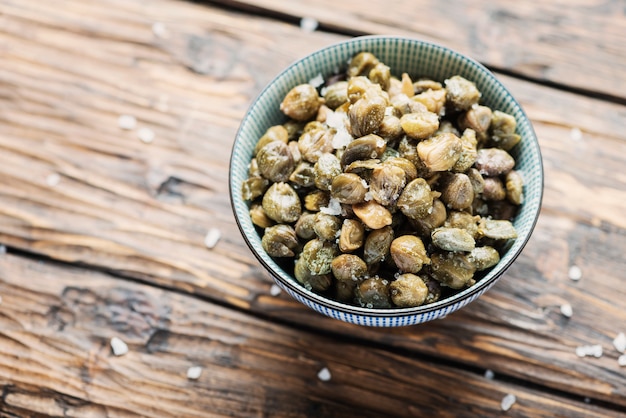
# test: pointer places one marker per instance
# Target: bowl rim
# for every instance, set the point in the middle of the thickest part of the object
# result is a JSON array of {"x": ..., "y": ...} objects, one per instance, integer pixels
[{"x": 481, "y": 286}]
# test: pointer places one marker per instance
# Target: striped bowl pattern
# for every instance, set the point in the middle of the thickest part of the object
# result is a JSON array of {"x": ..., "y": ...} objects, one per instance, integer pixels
[{"x": 417, "y": 58}]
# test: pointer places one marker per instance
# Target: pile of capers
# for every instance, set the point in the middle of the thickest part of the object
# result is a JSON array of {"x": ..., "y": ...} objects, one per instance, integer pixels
[{"x": 385, "y": 191}]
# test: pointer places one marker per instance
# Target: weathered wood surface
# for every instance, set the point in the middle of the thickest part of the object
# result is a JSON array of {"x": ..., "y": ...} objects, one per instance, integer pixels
[
  {"x": 141, "y": 211},
  {"x": 580, "y": 44},
  {"x": 57, "y": 322}
]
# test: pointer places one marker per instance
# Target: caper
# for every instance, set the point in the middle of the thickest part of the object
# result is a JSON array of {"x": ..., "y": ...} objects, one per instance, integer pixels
[
  {"x": 314, "y": 142},
  {"x": 477, "y": 118},
  {"x": 326, "y": 169},
  {"x": 458, "y": 192},
  {"x": 304, "y": 225},
  {"x": 280, "y": 241},
  {"x": 381, "y": 75},
  {"x": 316, "y": 199},
  {"x": 377, "y": 245},
  {"x": 274, "y": 133},
  {"x": 408, "y": 253},
  {"x": 373, "y": 293},
  {"x": 499, "y": 229},
  {"x": 352, "y": 235},
  {"x": 275, "y": 161},
  {"x": 493, "y": 189},
  {"x": 281, "y": 203},
  {"x": 301, "y": 102},
  {"x": 253, "y": 187},
  {"x": 453, "y": 239},
  {"x": 326, "y": 226},
  {"x": 435, "y": 218},
  {"x": 362, "y": 63},
  {"x": 366, "y": 115},
  {"x": 390, "y": 128},
  {"x": 348, "y": 267},
  {"x": 408, "y": 290},
  {"x": 318, "y": 255},
  {"x": 477, "y": 180},
  {"x": 441, "y": 152},
  {"x": 336, "y": 94},
  {"x": 494, "y": 162},
  {"x": 425, "y": 84},
  {"x": 348, "y": 188},
  {"x": 403, "y": 105},
  {"x": 514, "y": 187},
  {"x": 258, "y": 216},
  {"x": 372, "y": 214},
  {"x": 315, "y": 282},
  {"x": 419, "y": 125},
  {"x": 461, "y": 93},
  {"x": 454, "y": 270},
  {"x": 502, "y": 131},
  {"x": 386, "y": 184},
  {"x": 434, "y": 100},
  {"x": 303, "y": 175},
  {"x": 416, "y": 200},
  {"x": 484, "y": 257},
  {"x": 463, "y": 220},
  {"x": 468, "y": 154},
  {"x": 363, "y": 148}
]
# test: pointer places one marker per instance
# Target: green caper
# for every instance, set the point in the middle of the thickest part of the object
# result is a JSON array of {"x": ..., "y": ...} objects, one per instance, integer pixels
[
  {"x": 336, "y": 94},
  {"x": 494, "y": 162},
  {"x": 348, "y": 188},
  {"x": 274, "y": 133},
  {"x": 493, "y": 189},
  {"x": 440, "y": 152},
  {"x": 326, "y": 226},
  {"x": 362, "y": 63},
  {"x": 318, "y": 255},
  {"x": 280, "y": 241},
  {"x": 453, "y": 270},
  {"x": 461, "y": 93},
  {"x": 315, "y": 282},
  {"x": 352, "y": 235},
  {"x": 301, "y": 102},
  {"x": 364, "y": 148},
  {"x": 409, "y": 254},
  {"x": 498, "y": 229},
  {"x": 453, "y": 239},
  {"x": 258, "y": 216},
  {"x": 416, "y": 200},
  {"x": 381, "y": 75},
  {"x": 275, "y": 161},
  {"x": 316, "y": 199},
  {"x": 373, "y": 293},
  {"x": 304, "y": 225},
  {"x": 303, "y": 175},
  {"x": 408, "y": 290},
  {"x": 502, "y": 131},
  {"x": 468, "y": 154},
  {"x": 281, "y": 203},
  {"x": 419, "y": 125},
  {"x": 253, "y": 187},
  {"x": 484, "y": 257},
  {"x": 434, "y": 100},
  {"x": 514, "y": 187},
  {"x": 377, "y": 245},
  {"x": 326, "y": 169},
  {"x": 458, "y": 192},
  {"x": 386, "y": 184},
  {"x": 348, "y": 267}
]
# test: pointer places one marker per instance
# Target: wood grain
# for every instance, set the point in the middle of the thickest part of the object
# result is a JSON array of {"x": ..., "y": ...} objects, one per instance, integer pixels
[
  {"x": 141, "y": 210},
  {"x": 580, "y": 44},
  {"x": 56, "y": 324}
]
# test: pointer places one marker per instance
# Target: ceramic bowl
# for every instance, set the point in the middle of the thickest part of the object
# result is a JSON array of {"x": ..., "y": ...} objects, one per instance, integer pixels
[{"x": 415, "y": 57}]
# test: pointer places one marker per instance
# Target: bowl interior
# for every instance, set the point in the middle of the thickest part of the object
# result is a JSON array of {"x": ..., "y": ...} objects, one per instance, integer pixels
[{"x": 417, "y": 58}]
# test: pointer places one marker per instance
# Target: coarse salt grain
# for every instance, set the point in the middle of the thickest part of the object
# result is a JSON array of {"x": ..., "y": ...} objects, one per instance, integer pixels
[
  {"x": 575, "y": 273},
  {"x": 589, "y": 351},
  {"x": 308, "y": 24},
  {"x": 159, "y": 30},
  {"x": 53, "y": 179},
  {"x": 621, "y": 360},
  {"x": 333, "y": 208},
  {"x": 194, "y": 372},
  {"x": 576, "y": 134},
  {"x": 317, "y": 81},
  {"x": 146, "y": 135},
  {"x": 619, "y": 342},
  {"x": 489, "y": 374},
  {"x": 324, "y": 375},
  {"x": 127, "y": 122},
  {"x": 507, "y": 402},
  {"x": 275, "y": 290},
  {"x": 118, "y": 346},
  {"x": 3, "y": 249},
  {"x": 566, "y": 310},
  {"x": 212, "y": 237}
]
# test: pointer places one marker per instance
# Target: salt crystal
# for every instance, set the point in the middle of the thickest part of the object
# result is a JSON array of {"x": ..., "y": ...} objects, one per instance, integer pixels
[
  {"x": 212, "y": 237},
  {"x": 621, "y": 360},
  {"x": 589, "y": 350},
  {"x": 333, "y": 208},
  {"x": 324, "y": 375},
  {"x": 275, "y": 290},
  {"x": 489, "y": 374},
  {"x": 127, "y": 122},
  {"x": 53, "y": 179},
  {"x": 507, "y": 402},
  {"x": 587, "y": 400},
  {"x": 308, "y": 24},
  {"x": 575, "y": 273},
  {"x": 342, "y": 138},
  {"x": 566, "y": 310},
  {"x": 576, "y": 134},
  {"x": 159, "y": 30},
  {"x": 620, "y": 342},
  {"x": 317, "y": 81},
  {"x": 194, "y": 372},
  {"x": 146, "y": 135},
  {"x": 118, "y": 346},
  {"x": 3, "y": 249}
]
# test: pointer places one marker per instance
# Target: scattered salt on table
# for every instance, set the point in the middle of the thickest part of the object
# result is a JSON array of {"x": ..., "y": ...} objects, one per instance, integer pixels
[
  {"x": 118, "y": 346},
  {"x": 576, "y": 134},
  {"x": 507, "y": 402},
  {"x": 194, "y": 372},
  {"x": 212, "y": 237},
  {"x": 146, "y": 135},
  {"x": 159, "y": 30},
  {"x": 324, "y": 375},
  {"x": 3, "y": 249},
  {"x": 308, "y": 24},
  {"x": 619, "y": 342},
  {"x": 489, "y": 374},
  {"x": 127, "y": 122},
  {"x": 317, "y": 81},
  {"x": 275, "y": 290},
  {"x": 621, "y": 360},
  {"x": 589, "y": 350},
  {"x": 566, "y": 310},
  {"x": 575, "y": 273},
  {"x": 53, "y": 179}
]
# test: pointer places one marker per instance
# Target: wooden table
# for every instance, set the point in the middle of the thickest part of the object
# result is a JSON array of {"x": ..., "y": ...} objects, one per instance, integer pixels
[{"x": 104, "y": 233}]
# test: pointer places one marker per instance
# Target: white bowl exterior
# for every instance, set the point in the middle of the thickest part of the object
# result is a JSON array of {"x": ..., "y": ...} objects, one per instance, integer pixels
[{"x": 417, "y": 58}]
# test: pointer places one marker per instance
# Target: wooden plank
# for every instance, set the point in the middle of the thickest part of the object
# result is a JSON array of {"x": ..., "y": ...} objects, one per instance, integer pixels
[
  {"x": 57, "y": 322},
  {"x": 580, "y": 44},
  {"x": 142, "y": 210}
]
